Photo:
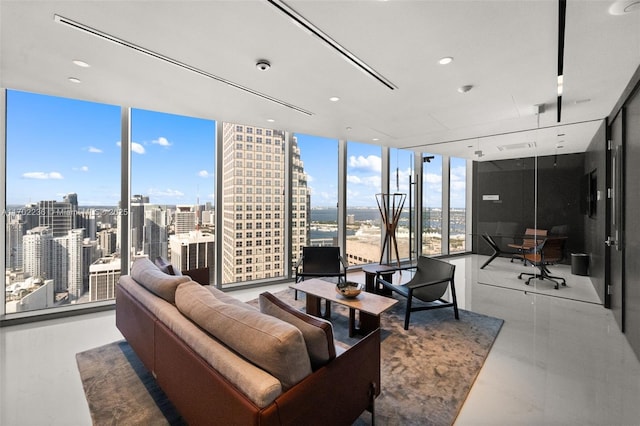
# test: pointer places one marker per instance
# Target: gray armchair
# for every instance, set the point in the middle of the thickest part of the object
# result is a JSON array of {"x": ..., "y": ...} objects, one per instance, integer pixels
[{"x": 429, "y": 284}]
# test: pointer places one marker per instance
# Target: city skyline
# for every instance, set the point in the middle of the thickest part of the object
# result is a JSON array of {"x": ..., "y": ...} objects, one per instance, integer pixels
[{"x": 75, "y": 148}]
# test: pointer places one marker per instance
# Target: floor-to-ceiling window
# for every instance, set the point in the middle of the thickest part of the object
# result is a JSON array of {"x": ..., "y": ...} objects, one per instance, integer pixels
[
  {"x": 62, "y": 195},
  {"x": 64, "y": 207},
  {"x": 318, "y": 164},
  {"x": 457, "y": 205},
  {"x": 401, "y": 184},
  {"x": 172, "y": 182},
  {"x": 363, "y": 225},
  {"x": 253, "y": 235},
  {"x": 432, "y": 205}
]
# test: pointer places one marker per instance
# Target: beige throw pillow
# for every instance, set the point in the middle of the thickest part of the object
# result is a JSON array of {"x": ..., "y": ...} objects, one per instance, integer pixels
[
  {"x": 317, "y": 333},
  {"x": 145, "y": 273},
  {"x": 269, "y": 343}
]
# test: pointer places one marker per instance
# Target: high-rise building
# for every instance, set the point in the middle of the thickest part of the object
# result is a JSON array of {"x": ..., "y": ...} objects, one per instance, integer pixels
[
  {"x": 75, "y": 265},
  {"x": 155, "y": 238},
  {"x": 57, "y": 215},
  {"x": 253, "y": 185},
  {"x": 185, "y": 219},
  {"x": 107, "y": 240},
  {"x": 35, "y": 252},
  {"x": 103, "y": 278},
  {"x": 13, "y": 243},
  {"x": 137, "y": 222},
  {"x": 193, "y": 250}
]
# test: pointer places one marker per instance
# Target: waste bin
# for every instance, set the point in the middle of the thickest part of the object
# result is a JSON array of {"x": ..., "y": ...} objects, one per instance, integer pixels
[{"x": 579, "y": 264}]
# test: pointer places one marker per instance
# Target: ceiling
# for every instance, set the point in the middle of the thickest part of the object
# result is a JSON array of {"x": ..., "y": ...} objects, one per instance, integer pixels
[{"x": 198, "y": 58}]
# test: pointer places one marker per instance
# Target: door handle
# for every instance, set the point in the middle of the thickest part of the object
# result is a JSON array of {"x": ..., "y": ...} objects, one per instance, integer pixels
[{"x": 610, "y": 242}]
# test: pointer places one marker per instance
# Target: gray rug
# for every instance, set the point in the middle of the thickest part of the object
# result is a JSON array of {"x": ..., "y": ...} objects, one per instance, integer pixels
[{"x": 426, "y": 372}]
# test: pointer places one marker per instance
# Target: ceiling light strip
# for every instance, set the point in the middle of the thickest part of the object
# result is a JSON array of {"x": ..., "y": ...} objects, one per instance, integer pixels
[
  {"x": 84, "y": 28},
  {"x": 562, "y": 17},
  {"x": 512, "y": 132},
  {"x": 301, "y": 21}
]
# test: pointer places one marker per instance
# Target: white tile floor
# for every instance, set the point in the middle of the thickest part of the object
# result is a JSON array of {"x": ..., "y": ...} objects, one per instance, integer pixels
[{"x": 556, "y": 362}]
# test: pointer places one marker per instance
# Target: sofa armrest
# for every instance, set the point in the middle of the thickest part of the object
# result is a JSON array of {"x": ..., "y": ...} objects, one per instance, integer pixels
[
  {"x": 338, "y": 392},
  {"x": 137, "y": 325},
  {"x": 199, "y": 275}
]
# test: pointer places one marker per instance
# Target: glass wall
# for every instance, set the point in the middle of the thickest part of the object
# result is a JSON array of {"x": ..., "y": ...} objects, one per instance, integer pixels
[
  {"x": 523, "y": 201},
  {"x": 401, "y": 181},
  {"x": 62, "y": 195},
  {"x": 318, "y": 166},
  {"x": 173, "y": 185},
  {"x": 432, "y": 205},
  {"x": 364, "y": 181},
  {"x": 457, "y": 205}
]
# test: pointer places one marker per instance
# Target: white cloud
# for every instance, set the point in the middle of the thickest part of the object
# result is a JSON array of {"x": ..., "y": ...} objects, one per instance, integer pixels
[
  {"x": 94, "y": 150},
  {"x": 166, "y": 193},
  {"x": 370, "y": 162},
  {"x": 353, "y": 179},
  {"x": 135, "y": 147},
  {"x": 81, "y": 169},
  {"x": 432, "y": 178},
  {"x": 162, "y": 141},
  {"x": 204, "y": 174},
  {"x": 373, "y": 182},
  {"x": 42, "y": 175}
]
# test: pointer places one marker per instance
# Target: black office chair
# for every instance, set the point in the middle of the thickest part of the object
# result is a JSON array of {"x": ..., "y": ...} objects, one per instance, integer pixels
[
  {"x": 429, "y": 283},
  {"x": 320, "y": 262},
  {"x": 549, "y": 252}
]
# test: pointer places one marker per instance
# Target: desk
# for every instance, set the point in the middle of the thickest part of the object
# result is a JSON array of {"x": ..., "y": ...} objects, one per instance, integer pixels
[{"x": 369, "y": 305}]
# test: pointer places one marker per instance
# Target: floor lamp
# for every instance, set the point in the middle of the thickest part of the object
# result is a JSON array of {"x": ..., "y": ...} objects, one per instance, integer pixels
[{"x": 390, "y": 206}]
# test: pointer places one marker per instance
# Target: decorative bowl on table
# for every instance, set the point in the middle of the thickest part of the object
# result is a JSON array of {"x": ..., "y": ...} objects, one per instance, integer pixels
[{"x": 349, "y": 289}]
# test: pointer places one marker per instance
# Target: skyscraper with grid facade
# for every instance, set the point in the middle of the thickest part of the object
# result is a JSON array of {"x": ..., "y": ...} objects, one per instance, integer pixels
[{"x": 253, "y": 191}]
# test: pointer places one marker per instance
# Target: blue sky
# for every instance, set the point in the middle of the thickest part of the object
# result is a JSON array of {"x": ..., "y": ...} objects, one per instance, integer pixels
[{"x": 57, "y": 146}]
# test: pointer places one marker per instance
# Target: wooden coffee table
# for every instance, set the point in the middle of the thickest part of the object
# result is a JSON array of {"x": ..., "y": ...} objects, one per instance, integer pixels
[{"x": 369, "y": 305}]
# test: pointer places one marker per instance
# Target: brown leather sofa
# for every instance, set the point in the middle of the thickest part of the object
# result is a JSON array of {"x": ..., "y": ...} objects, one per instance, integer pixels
[{"x": 207, "y": 381}]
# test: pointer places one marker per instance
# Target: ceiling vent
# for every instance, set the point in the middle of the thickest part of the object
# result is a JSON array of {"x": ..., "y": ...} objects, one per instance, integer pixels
[{"x": 511, "y": 147}]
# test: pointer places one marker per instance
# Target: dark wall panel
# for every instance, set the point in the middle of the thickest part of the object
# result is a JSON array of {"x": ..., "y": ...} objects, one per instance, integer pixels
[
  {"x": 632, "y": 224},
  {"x": 595, "y": 225},
  {"x": 541, "y": 192}
]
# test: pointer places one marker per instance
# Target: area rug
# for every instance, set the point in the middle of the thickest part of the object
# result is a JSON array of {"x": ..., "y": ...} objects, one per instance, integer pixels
[{"x": 426, "y": 371}]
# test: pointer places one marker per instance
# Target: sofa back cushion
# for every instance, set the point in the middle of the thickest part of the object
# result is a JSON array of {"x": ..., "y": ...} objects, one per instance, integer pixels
[
  {"x": 317, "y": 332},
  {"x": 266, "y": 341},
  {"x": 145, "y": 273},
  {"x": 166, "y": 267}
]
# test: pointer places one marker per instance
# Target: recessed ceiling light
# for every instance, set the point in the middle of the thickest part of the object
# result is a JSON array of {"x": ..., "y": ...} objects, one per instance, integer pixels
[
  {"x": 446, "y": 60},
  {"x": 263, "y": 65},
  {"x": 620, "y": 7},
  {"x": 465, "y": 88},
  {"x": 375, "y": 139},
  {"x": 271, "y": 120},
  {"x": 74, "y": 80},
  {"x": 348, "y": 128},
  {"x": 334, "y": 99},
  {"x": 80, "y": 63}
]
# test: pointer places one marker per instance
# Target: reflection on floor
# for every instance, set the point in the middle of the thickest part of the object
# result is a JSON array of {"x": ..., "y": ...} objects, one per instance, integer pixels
[
  {"x": 556, "y": 360},
  {"x": 501, "y": 272}
]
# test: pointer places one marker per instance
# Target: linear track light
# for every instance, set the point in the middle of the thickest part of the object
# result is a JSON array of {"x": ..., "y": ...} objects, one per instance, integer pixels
[
  {"x": 104, "y": 36},
  {"x": 301, "y": 21}
]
